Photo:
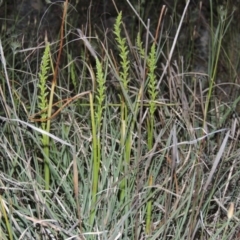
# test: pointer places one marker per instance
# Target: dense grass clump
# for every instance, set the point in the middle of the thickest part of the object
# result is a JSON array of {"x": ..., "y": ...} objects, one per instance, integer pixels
[{"x": 119, "y": 137}]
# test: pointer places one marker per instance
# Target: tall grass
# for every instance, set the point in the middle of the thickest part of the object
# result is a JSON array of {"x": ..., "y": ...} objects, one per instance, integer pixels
[{"x": 126, "y": 160}]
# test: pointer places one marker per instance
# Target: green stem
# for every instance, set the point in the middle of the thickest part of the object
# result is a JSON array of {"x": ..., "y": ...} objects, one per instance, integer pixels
[{"x": 95, "y": 164}]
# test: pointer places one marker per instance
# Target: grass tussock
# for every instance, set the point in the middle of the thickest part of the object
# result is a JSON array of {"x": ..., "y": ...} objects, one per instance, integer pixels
[{"x": 123, "y": 143}]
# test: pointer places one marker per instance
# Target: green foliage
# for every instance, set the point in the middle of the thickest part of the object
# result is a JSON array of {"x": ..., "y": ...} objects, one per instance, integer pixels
[
  {"x": 97, "y": 116},
  {"x": 152, "y": 84},
  {"x": 44, "y": 106},
  {"x": 123, "y": 48},
  {"x": 42, "y": 85},
  {"x": 144, "y": 171},
  {"x": 101, "y": 91},
  {"x": 140, "y": 46}
]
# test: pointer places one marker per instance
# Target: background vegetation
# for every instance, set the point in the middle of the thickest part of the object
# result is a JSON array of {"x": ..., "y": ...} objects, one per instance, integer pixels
[{"x": 119, "y": 123}]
